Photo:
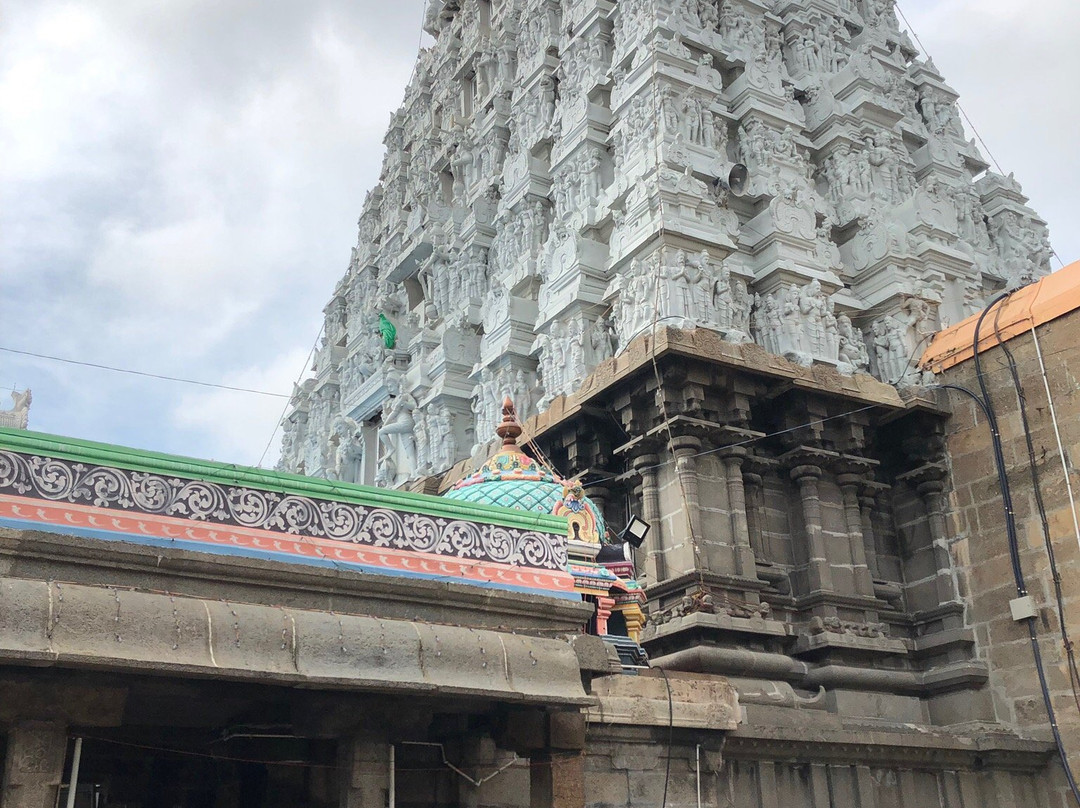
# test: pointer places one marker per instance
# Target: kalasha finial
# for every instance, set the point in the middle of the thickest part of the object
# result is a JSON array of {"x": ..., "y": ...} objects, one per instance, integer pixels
[{"x": 509, "y": 429}]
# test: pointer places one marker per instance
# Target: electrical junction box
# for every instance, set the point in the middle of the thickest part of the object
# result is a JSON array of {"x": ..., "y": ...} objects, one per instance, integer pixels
[{"x": 1022, "y": 608}]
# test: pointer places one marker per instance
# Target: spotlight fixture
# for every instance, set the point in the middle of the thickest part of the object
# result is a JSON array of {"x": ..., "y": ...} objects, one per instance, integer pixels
[{"x": 635, "y": 531}]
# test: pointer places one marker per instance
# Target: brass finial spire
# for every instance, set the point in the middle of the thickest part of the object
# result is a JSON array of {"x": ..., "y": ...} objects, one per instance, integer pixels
[{"x": 509, "y": 429}]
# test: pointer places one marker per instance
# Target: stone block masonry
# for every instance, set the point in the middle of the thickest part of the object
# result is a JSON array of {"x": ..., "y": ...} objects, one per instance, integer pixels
[{"x": 977, "y": 521}]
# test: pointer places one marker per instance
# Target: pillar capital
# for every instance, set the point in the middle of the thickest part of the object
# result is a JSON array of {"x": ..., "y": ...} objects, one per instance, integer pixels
[
  {"x": 684, "y": 445},
  {"x": 644, "y": 461},
  {"x": 806, "y": 471},
  {"x": 739, "y": 453},
  {"x": 849, "y": 481},
  {"x": 928, "y": 473}
]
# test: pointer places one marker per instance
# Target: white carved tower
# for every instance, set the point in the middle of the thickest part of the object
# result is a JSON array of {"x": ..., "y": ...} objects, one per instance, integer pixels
[{"x": 556, "y": 183}]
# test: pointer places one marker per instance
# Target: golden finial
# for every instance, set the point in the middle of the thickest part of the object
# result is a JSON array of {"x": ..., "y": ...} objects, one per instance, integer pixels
[{"x": 509, "y": 429}]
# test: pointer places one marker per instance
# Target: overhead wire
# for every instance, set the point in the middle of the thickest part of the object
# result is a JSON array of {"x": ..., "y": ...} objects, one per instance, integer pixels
[
  {"x": 143, "y": 373},
  {"x": 285, "y": 409},
  {"x": 967, "y": 118}
]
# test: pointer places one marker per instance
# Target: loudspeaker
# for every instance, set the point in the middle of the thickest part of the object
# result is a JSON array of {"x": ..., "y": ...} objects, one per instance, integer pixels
[
  {"x": 735, "y": 183},
  {"x": 738, "y": 178}
]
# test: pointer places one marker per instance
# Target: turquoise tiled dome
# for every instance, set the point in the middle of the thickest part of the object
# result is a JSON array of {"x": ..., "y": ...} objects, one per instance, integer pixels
[
  {"x": 525, "y": 496},
  {"x": 512, "y": 479}
]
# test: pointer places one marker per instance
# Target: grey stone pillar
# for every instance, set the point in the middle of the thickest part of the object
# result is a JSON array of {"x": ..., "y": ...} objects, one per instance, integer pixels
[
  {"x": 867, "y": 503},
  {"x": 745, "y": 563},
  {"x": 849, "y": 489},
  {"x": 600, "y": 495},
  {"x": 364, "y": 765},
  {"x": 653, "y": 549},
  {"x": 754, "y": 488},
  {"x": 685, "y": 449},
  {"x": 819, "y": 574},
  {"x": 932, "y": 493},
  {"x": 35, "y": 764}
]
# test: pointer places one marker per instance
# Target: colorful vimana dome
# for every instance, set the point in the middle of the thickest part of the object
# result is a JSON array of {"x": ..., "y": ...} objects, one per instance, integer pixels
[{"x": 512, "y": 479}]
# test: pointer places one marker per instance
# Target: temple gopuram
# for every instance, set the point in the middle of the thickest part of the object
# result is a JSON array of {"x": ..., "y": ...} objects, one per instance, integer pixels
[{"x": 617, "y": 480}]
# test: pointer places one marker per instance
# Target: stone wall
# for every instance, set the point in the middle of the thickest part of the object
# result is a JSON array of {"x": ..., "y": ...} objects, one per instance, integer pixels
[
  {"x": 761, "y": 772},
  {"x": 978, "y": 543}
]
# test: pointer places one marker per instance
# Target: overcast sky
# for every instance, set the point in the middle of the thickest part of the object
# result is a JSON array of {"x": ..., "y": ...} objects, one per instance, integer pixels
[{"x": 180, "y": 182}]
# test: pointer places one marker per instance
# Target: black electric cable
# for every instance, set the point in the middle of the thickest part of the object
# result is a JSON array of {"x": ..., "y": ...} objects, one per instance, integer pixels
[
  {"x": 1036, "y": 485},
  {"x": 987, "y": 406},
  {"x": 1003, "y": 484},
  {"x": 999, "y": 457}
]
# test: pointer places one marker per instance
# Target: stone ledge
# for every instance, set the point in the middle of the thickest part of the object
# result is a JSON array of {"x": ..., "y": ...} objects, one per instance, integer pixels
[
  {"x": 906, "y": 745},
  {"x": 699, "y": 620},
  {"x": 703, "y": 344},
  {"x": 36, "y": 554},
  {"x": 696, "y": 702},
  {"x": 46, "y": 623}
]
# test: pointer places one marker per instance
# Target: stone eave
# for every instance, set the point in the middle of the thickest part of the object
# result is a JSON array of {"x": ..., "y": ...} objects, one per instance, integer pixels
[
  {"x": 44, "y": 556},
  {"x": 708, "y": 346},
  {"x": 105, "y": 628},
  {"x": 702, "y": 345}
]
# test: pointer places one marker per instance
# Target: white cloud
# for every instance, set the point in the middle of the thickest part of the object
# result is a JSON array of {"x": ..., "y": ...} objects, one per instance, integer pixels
[
  {"x": 1015, "y": 66},
  {"x": 240, "y": 424},
  {"x": 180, "y": 189}
]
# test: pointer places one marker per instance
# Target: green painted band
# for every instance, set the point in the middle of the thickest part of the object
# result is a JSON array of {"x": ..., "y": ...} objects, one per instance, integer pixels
[{"x": 105, "y": 454}]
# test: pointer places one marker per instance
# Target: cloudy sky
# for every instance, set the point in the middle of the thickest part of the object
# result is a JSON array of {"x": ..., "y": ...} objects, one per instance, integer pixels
[{"x": 180, "y": 182}]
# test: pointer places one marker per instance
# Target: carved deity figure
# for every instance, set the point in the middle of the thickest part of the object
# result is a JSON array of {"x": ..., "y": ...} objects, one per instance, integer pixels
[
  {"x": 602, "y": 339},
  {"x": 852, "y": 350},
  {"x": 397, "y": 437},
  {"x": 348, "y": 451},
  {"x": 890, "y": 349},
  {"x": 18, "y": 416}
]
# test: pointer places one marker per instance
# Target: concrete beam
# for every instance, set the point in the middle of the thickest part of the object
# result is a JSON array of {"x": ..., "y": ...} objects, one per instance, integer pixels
[{"x": 111, "y": 629}]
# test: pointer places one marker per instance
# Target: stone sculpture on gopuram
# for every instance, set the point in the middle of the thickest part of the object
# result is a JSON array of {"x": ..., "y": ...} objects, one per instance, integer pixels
[{"x": 556, "y": 185}]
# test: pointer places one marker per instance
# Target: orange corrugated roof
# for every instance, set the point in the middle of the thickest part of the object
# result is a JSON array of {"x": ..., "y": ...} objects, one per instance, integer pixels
[{"x": 1054, "y": 295}]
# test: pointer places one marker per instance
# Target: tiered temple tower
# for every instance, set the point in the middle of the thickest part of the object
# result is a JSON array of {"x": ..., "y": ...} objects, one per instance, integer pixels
[
  {"x": 563, "y": 217},
  {"x": 556, "y": 184}
]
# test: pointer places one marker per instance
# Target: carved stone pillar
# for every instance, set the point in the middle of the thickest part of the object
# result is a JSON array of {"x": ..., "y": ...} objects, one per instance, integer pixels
[
  {"x": 600, "y": 495},
  {"x": 868, "y": 506},
  {"x": 685, "y": 448},
  {"x": 745, "y": 563},
  {"x": 35, "y": 764},
  {"x": 819, "y": 575},
  {"x": 753, "y": 486},
  {"x": 867, "y": 503},
  {"x": 849, "y": 488},
  {"x": 653, "y": 549},
  {"x": 933, "y": 496}
]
